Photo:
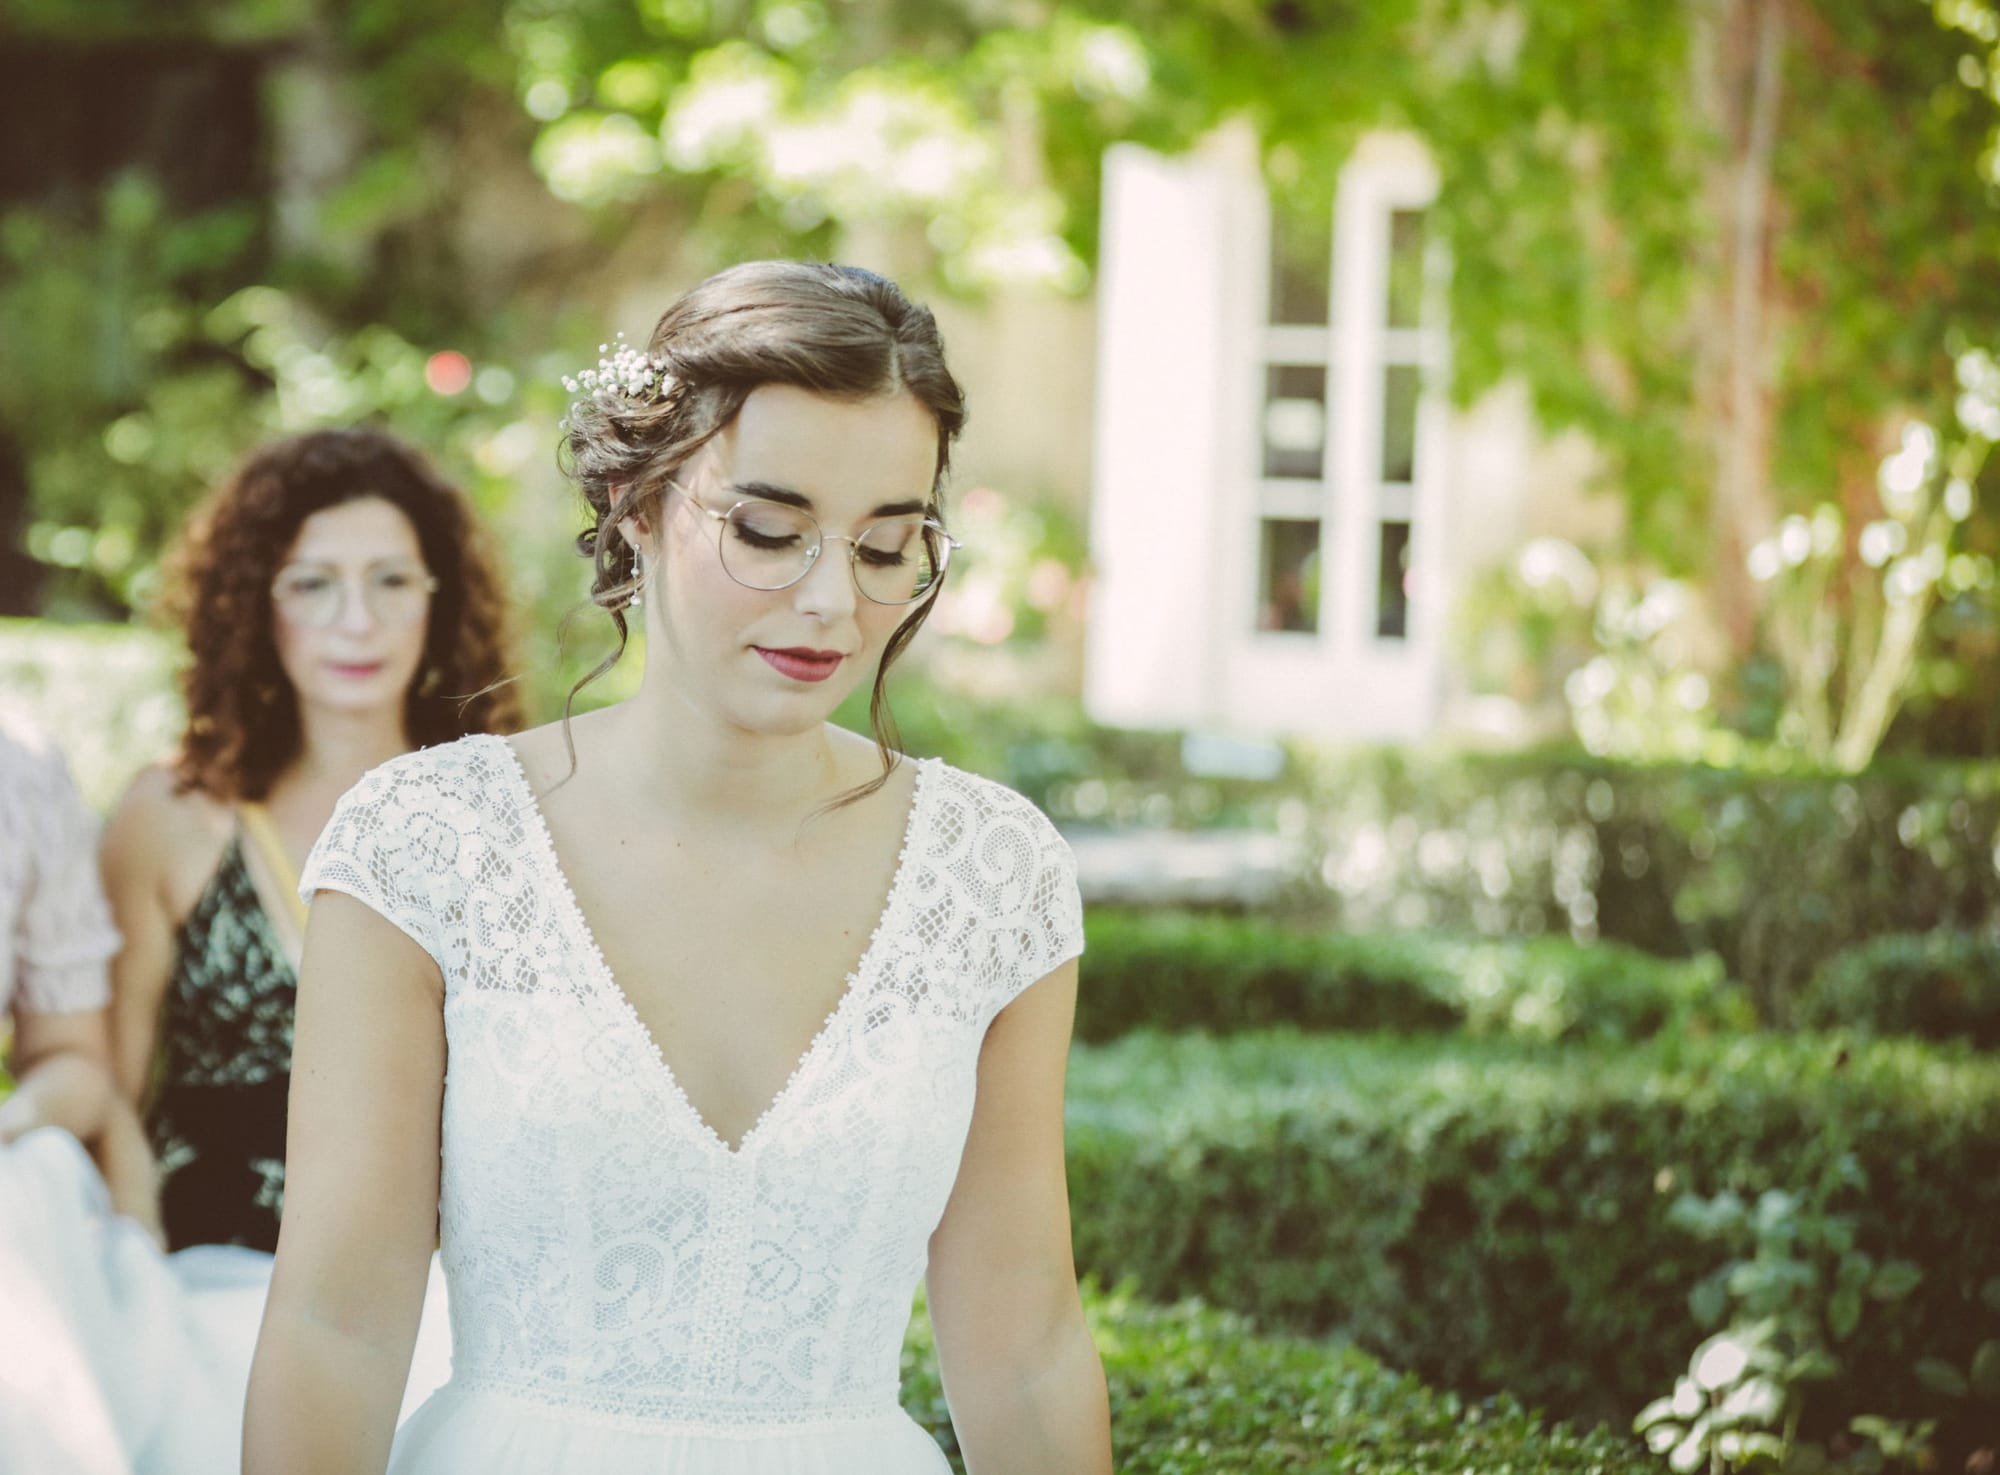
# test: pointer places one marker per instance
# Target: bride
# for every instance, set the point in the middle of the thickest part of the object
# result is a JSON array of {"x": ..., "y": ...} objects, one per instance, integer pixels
[{"x": 750, "y": 1023}]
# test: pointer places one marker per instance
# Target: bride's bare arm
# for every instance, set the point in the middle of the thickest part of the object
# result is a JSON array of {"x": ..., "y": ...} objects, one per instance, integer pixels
[
  {"x": 361, "y": 1188},
  {"x": 1023, "y": 1378}
]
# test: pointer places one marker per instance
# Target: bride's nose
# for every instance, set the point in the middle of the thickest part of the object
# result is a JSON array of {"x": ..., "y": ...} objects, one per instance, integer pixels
[{"x": 827, "y": 591}]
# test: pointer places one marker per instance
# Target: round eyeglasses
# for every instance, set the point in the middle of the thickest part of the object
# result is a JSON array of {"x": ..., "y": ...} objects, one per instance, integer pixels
[
  {"x": 393, "y": 594},
  {"x": 767, "y": 545}
]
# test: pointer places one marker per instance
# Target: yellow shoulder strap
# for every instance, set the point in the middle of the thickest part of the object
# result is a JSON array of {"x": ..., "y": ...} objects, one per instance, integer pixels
[{"x": 263, "y": 834}]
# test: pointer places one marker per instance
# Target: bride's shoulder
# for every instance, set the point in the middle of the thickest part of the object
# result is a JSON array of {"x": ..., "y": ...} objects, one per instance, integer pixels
[
  {"x": 972, "y": 810},
  {"x": 446, "y": 777},
  {"x": 989, "y": 797}
]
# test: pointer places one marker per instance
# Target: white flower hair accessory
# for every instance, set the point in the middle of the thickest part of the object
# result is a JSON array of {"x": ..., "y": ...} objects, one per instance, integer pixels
[{"x": 622, "y": 369}]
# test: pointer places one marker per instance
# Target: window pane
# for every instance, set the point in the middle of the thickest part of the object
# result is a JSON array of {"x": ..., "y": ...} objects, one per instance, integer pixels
[
  {"x": 1392, "y": 583},
  {"x": 1288, "y": 577},
  {"x": 1400, "y": 385},
  {"x": 1294, "y": 420},
  {"x": 1406, "y": 268},
  {"x": 1301, "y": 264}
]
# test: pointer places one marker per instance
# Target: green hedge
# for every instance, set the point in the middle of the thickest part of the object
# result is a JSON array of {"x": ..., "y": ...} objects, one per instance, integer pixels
[
  {"x": 1492, "y": 1215},
  {"x": 1195, "y": 1391},
  {"x": 1941, "y": 985},
  {"x": 1176, "y": 971},
  {"x": 1775, "y": 872}
]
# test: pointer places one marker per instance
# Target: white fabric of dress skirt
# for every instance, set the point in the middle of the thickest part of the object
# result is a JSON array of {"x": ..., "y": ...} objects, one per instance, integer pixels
[
  {"x": 116, "y": 1359},
  {"x": 463, "y": 1431}
]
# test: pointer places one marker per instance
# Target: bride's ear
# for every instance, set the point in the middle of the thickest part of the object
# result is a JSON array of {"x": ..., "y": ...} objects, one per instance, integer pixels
[{"x": 637, "y": 531}]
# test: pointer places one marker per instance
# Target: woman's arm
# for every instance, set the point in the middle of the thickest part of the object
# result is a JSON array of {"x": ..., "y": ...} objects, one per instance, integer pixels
[
  {"x": 143, "y": 842},
  {"x": 62, "y": 1074},
  {"x": 1022, "y": 1376},
  {"x": 361, "y": 1187},
  {"x": 131, "y": 1173}
]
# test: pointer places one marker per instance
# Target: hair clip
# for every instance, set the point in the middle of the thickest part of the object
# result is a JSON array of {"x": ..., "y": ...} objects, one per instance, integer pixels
[{"x": 622, "y": 369}]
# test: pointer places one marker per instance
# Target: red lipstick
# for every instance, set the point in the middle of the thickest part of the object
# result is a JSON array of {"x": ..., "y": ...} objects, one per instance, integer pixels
[{"x": 801, "y": 663}]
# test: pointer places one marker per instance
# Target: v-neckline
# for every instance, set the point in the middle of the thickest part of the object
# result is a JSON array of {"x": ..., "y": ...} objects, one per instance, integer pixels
[{"x": 607, "y": 983}]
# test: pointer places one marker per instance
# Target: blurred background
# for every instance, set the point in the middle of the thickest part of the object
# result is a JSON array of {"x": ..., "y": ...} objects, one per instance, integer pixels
[{"x": 1480, "y": 526}]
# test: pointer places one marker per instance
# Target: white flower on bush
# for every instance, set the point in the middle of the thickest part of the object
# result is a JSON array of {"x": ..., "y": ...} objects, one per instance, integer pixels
[
  {"x": 1558, "y": 572},
  {"x": 1720, "y": 1362},
  {"x": 1795, "y": 540},
  {"x": 1765, "y": 562},
  {"x": 1882, "y": 541},
  {"x": 1903, "y": 474}
]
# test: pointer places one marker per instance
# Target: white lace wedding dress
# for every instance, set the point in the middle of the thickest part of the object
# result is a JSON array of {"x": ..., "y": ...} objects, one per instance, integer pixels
[{"x": 629, "y": 1293}]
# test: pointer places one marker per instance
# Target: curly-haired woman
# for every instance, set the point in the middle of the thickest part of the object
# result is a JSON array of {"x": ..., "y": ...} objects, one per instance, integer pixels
[{"x": 340, "y": 607}]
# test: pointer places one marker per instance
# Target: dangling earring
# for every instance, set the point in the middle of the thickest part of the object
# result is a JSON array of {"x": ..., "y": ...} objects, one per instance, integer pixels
[
  {"x": 429, "y": 685},
  {"x": 634, "y": 602}
]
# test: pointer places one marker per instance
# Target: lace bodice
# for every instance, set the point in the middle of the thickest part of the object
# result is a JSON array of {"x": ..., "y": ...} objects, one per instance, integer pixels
[{"x": 607, "y": 1252}]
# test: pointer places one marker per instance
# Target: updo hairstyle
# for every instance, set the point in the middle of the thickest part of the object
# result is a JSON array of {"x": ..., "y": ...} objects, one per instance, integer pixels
[{"x": 829, "y": 329}]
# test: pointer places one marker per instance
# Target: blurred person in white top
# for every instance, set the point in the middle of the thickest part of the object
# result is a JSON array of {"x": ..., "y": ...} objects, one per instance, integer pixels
[{"x": 59, "y": 940}]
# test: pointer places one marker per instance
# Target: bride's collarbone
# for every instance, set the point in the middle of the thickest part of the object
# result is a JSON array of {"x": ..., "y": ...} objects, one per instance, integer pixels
[{"x": 725, "y": 911}]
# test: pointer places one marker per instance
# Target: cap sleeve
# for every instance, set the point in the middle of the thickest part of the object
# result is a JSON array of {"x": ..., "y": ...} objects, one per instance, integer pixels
[
  {"x": 1040, "y": 926},
  {"x": 393, "y": 844},
  {"x": 65, "y": 937}
]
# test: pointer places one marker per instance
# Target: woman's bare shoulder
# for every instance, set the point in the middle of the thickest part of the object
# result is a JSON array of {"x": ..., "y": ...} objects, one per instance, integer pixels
[
  {"x": 557, "y": 753},
  {"x": 157, "y": 820}
]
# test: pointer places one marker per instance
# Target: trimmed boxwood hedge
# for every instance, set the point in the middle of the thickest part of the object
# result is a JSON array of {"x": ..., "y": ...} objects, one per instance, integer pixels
[
  {"x": 1189, "y": 970},
  {"x": 1942, "y": 985},
  {"x": 1490, "y": 1215},
  {"x": 1195, "y": 1391}
]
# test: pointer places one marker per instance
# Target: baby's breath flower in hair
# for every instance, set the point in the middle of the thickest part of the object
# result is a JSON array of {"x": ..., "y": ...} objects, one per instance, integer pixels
[{"x": 622, "y": 369}]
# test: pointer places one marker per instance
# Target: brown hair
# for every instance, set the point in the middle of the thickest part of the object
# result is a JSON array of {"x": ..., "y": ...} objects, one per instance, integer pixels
[
  {"x": 243, "y": 717},
  {"x": 833, "y": 330}
]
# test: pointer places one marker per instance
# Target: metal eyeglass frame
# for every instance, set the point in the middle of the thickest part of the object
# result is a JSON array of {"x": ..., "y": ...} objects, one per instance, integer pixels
[
  {"x": 949, "y": 546},
  {"x": 428, "y": 583}
]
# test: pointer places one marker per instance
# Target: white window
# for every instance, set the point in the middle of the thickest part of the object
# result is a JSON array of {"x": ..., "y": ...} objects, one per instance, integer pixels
[
  {"x": 1296, "y": 353},
  {"x": 1296, "y": 451}
]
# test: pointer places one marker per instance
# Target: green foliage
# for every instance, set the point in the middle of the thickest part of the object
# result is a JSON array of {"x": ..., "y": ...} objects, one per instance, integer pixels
[
  {"x": 1773, "y": 870},
  {"x": 1579, "y": 170},
  {"x": 1943, "y": 984},
  {"x": 1194, "y": 1390},
  {"x": 104, "y": 693},
  {"x": 1077, "y": 771},
  {"x": 1488, "y": 1214},
  {"x": 1793, "y": 1297},
  {"x": 1169, "y": 971},
  {"x": 93, "y": 324},
  {"x": 1850, "y": 634},
  {"x": 131, "y": 402}
]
